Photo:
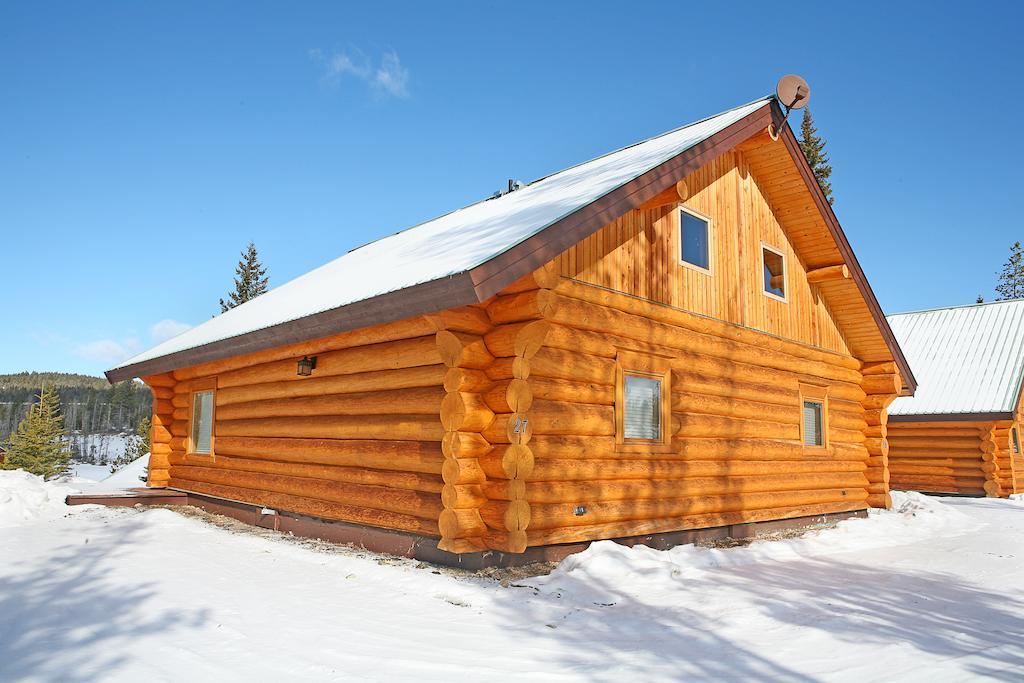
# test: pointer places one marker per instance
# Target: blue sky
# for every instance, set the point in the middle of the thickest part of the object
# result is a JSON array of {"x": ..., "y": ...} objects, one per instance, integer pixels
[{"x": 143, "y": 144}]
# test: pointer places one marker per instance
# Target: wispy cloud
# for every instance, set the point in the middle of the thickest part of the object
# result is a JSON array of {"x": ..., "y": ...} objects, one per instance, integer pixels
[
  {"x": 111, "y": 351},
  {"x": 108, "y": 351},
  {"x": 386, "y": 76},
  {"x": 166, "y": 329}
]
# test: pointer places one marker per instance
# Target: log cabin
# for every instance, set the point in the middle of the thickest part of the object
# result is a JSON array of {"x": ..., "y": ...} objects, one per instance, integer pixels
[
  {"x": 961, "y": 432},
  {"x": 675, "y": 336}
]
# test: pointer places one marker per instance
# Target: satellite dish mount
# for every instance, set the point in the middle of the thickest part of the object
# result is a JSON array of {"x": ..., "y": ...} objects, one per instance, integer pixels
[{"x": 792, "y": 92}]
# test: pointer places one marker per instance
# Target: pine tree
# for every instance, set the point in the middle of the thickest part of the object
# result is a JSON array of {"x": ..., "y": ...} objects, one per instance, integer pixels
[
  {"x": 251, "y": 280},
  {"x": 1011, "y": 277},
  {"x": 39, "y": 445},
  {"x": 813, "y": 146}
]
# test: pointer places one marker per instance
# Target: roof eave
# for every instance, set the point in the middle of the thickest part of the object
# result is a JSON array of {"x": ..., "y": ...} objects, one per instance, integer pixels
[
  {"x": 953, "y": 417},
  {"x": 846, "y": 251}
]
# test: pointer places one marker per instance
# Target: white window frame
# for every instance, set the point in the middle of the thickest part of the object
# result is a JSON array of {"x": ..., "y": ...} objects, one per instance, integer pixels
[
  {"x": 679, "y": 249},
  {"x": 785, "y": 274}
]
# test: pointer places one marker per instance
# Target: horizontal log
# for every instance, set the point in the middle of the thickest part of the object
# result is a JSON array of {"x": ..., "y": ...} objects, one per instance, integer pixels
[
  {"x": 384, "y": 427},
  {"x": 667, "y": 489},
  {"x": 937, "y": 434},
  {"x": 557, "y": 515},
  {"x": 509, "y": 368},
  {"x": 561, "y": 417},
  {"x": 672, "y": 523},
  {"x": 509, "y": 428},
  {"x": 564, "y": 390},
  {"x": 462, "y": 471},
  {"x": 517, "y": 339},
  {"x": 394, "y": 331},
  {"x": 460, "y": 350},
  {"x": 361, "y": 382},
  {"x": 570, "y": 469},
  {"x": 899, "y": 469},
  {"x": 405, "y": 353},
  {"x": 694, "y": 425},
  {"x": 469, "y": 319},
  {"x": 828, "y": 274},
  {"x": 160, "y": 434},
  {"x": 506, "y": 515},
  {"x": 425, "y": 505},
  {"x": 672, "y": 196},
  {"x": 880, "y": 368},
  {"x": 532, "y": 305},
  {"x": 157, "y": 477},
  {"x": 583, "y": 315},
  {"x": 575, "y": 367},
  {"x": 465, "y": 412},
  {"x": 881, "y": 384},
  {"x": 396, "y": 479},
  {"x": 163, "y": 380},
  {"x": 460, "y": 496},
  {"x": 464, "y": 445},
  {"x": 509, "y": 396},
  {"x": 881, "y": 501},
  {"x": 684, "y": 402},
  {"x": 419, "y": 401},
  {"x": 313, "y": 507},
  {"x": 414, "y": 456},
  {"x": 461, "y": 523},
  {"x": 159, "y": 448},
  {"x": 713, "y": 448},
  {"x": 699, "y": 324},
  {"x": 508, "y": 461}
]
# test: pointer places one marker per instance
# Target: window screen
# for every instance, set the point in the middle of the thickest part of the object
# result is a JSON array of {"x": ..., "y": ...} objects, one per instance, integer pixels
[
  {"x": 812, "y": 424},
  {"x": 1016, "y": 440},
  {"x": 693, "y": 238},
  {"x": 642, "y": 414},
  {"x": 202, "y": 421},
  {"x": 774, "y": 272}
]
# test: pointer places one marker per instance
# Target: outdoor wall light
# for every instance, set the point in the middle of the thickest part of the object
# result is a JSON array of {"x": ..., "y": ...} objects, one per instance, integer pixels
[{"x": 306, "y": 366}]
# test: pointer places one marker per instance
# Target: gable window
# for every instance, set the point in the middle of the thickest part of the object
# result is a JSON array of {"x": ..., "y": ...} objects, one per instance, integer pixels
[
  {"x": 814, "y": 417},
  {"x": 1014, "y": 440},
  {"x": 694, "y": 240},
  {"x": 200, "y": 437},
  {"x": 773, "y": 263},
  {"x": 643, "y": 409}
]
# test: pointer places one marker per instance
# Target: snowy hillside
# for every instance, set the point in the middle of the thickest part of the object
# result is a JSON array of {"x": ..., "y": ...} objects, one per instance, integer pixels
[{"x": 928, "y": 592}]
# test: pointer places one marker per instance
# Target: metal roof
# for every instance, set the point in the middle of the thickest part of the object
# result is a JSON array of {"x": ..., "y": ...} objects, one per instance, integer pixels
[
  {"x": 967, "y": 359},
  {"x": 453, "y": 243}
]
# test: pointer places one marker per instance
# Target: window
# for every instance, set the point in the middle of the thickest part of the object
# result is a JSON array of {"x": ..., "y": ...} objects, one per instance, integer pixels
[
  {"x": 813, "y": 423},
  {"x": 643, "y": 410},
  {"x": 201, "y": 431},
  {"x": 814, "y": 417},
  {"x": 1014, "y": 440},
  {"x": 642, "y": 414},
  {"x": 774, "y": 266},
  {"x": 694, "y": 238}
]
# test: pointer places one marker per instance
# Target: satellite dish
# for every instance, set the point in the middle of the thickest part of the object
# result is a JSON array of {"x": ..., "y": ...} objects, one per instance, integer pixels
[{"x": 793, "y": 92}]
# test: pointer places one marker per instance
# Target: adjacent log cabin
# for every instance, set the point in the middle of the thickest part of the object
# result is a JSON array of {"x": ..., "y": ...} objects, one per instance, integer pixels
[
  {"x": 672, "y": 336},
  {"x": 961, "y": 432}
]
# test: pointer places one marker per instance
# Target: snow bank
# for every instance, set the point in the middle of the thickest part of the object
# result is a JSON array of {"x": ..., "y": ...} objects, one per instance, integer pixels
[
  {"x": 25, "y": 497},
  {"x": 607, "y": 569},
  {"x": 128, "y": 476}
]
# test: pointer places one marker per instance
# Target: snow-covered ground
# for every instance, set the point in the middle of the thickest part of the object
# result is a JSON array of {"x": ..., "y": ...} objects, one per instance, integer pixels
[{"x": 933, "y": 591}]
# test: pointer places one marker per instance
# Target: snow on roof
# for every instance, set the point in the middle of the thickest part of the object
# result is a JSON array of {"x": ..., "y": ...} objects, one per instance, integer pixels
[
  {"x": 453, "y": 243},
  {"x": 967, "y": 359}
]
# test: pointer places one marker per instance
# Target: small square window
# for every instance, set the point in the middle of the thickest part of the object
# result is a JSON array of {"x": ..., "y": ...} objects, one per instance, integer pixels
[
  {"x": 694, "y": 235},
  {"x": 814, "y": 434},
  {"x": 642, "y": 414},
  {"x": 774, "y": 266},
  {"x": 201, "y": 433}
]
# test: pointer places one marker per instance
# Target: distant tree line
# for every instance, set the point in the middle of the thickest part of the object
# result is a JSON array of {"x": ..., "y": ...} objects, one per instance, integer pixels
[{"x": 89, "y": 404}]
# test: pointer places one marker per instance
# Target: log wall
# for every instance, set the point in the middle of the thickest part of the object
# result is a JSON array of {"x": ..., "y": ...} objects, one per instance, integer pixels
[
  {"x": 359, "y": 440},
  {"x": 735, "y": 453},
  {"x": 943, "y": 457}
]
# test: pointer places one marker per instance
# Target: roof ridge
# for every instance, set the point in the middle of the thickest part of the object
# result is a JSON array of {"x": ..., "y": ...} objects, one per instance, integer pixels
[{"x": 955, "y": 308}]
